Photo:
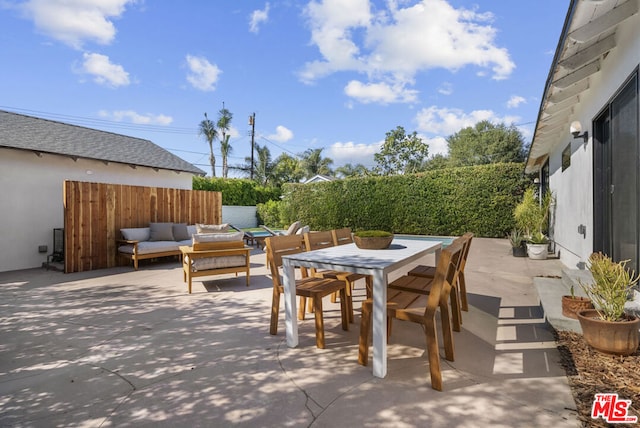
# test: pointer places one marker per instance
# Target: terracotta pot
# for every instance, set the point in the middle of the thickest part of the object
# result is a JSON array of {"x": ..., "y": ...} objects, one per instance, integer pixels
[
  {"x": 619, "y": 337},
  {"x": 373, "y": 243},
  {"x": 572, "y": 305}
]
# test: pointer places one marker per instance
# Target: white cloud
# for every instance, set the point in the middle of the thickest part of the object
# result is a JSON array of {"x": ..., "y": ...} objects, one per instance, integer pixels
[
  {"x": 202, "y": 74},
  {"x": 137, "y": 118},
  {"x": 343, "y": 153},
  {"x": 75, "y": 22},
  {"x": 258, "y": 17},
  {"x": 382, "y": 93},
  {"x": 104, "y": 72},
  {"x": 393, "y": 45},
  {"x": 282, "y": 134},
  {"x": 437, "y": 145},
  {"x": 446, "y": 88},
  {"x": 448, "y": 121},
  {"x": 515, "y": 101},
  {"x": 332, "y": 23}
]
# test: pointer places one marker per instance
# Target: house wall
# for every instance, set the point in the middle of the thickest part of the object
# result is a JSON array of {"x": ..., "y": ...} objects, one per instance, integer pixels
[
  {"x": 32, "y": 204},
  {"x": 574, "y": 186}
]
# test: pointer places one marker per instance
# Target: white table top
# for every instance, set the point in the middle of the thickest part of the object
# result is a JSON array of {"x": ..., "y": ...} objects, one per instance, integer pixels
[{"x": 349, "y": 257}]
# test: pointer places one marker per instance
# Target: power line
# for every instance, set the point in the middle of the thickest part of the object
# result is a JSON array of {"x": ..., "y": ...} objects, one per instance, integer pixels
[{"x": 87, "y": 121}]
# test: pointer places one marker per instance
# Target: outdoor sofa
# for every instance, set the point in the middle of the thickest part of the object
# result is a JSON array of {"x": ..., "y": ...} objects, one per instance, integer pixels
[{"x": 160, "y": 239}]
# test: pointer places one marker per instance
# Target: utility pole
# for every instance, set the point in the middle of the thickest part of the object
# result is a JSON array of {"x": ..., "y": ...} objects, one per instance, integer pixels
[{"x": 252, "y": 122}]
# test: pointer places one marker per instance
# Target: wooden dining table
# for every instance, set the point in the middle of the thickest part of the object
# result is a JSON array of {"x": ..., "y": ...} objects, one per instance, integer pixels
[{"x": 377, "y": 263}]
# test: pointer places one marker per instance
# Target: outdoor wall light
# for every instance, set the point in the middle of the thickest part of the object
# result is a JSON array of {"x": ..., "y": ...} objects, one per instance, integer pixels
[{"x": 576, "y": 129}]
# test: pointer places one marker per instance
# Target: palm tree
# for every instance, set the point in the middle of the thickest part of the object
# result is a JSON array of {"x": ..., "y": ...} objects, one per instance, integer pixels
[
  {"x": 314, "y": 164},
  {"x": 224, "y": 123},
  {"x": 263, "y": 166},
  {"x": 208, "y": 130},
  {"x": 349, "y": 170},
  {"x": 225, "y": 149}
]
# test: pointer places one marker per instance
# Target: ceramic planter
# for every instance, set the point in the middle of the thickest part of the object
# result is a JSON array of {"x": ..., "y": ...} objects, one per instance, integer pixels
[
  {"x": 538, "y": 251},
  {"x": 373, "y": 243},
  {"x": 520, "y": 251},
  {"x": 618, "y": 338},
  {"x": 572, "y": 305}
]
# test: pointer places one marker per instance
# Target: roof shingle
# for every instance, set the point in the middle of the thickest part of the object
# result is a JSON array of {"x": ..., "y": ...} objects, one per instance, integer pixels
[{"x": 18, "y": 131}]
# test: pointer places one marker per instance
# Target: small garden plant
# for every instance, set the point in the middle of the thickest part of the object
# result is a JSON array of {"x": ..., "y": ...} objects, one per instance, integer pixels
[
  {"x": 611, "y": 287},
  {"x": 373, "y": 234}
]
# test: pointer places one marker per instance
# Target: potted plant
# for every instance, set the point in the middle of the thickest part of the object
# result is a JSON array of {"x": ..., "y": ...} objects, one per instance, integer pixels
[
  {"x": 532, "y": 217},
  {"x": 516, "y": 238},
  {"x": 607, "y": 328},
  {"x": 538, "y": 246},
  {"x": 572, "y": 304},
  {"x": 372, "y": 239}
]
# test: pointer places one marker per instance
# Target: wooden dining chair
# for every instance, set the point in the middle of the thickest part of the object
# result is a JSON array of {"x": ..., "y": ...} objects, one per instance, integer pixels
[
  {"x": 420, "y": 309},
  {"x": 324, "y": 239},
  {"x": 343, "y": 236},
  {"x": 420, "y": 278},
  {"x": 461, "y": 285},
  {"x": 306, "y": 287}
]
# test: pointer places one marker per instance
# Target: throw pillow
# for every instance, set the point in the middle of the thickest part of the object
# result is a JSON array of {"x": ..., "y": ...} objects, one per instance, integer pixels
[
  {"x": 180, "y": 232},
  {"x": 212, "y": 228},
  {"x": 136, "y": 233},
  {"x": 217, "y": 237},
  {"x": 161, "y": 232},
  {"x": 293, "y": 228}
]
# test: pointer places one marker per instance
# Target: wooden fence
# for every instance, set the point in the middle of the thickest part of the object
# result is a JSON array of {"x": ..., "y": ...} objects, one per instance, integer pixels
[{"x": 94, "y": 213}]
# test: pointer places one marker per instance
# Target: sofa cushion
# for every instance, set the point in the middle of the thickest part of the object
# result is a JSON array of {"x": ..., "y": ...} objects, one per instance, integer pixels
[
  {"x": 148, "y": 247},
  {"x": 136, "y": 233},
  {"x": 217, "y": 237},
  {"x": 212, "y": 228},
  {"x": 192, "y": 229},
  {"x": 180, "y": 232},
  {"x": 161, "y": 232},
  {"x": 218, "y": 262},
  {"x": 293, "y": 228}
]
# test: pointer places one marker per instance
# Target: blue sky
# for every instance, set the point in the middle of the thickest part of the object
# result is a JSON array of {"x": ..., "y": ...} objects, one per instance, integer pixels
[{"x": 330, "y": 74}]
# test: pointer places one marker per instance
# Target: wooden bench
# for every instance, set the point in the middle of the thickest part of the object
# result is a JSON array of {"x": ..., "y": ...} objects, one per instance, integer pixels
[{"x": 214, "y": 258}]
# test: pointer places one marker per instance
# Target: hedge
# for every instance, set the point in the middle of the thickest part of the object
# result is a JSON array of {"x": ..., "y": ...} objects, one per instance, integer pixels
[
  {"x": 237, "y": 191},
  {"x": 449, "y": 202}
]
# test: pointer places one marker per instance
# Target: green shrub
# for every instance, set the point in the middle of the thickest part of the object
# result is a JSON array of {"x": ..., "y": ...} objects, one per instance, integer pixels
[
  {"x": 478, "y": 199},
  {"x": 237, "y": 191},
  {"x": 269, "y": 214}
]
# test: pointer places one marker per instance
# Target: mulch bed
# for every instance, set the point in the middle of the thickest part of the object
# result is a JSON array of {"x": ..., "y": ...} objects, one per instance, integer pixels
[{"x": 592, "y": 372}]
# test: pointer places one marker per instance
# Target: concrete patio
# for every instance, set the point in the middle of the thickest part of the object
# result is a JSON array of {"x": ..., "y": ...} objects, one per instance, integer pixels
[{"x": 120, "y": 347}]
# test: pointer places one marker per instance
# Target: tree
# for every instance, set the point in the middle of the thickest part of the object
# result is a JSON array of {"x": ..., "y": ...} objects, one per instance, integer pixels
[
  {"x": 401, "y": 153},
  {"x": 437, "y": 161},
  {"x": 287, "y": 169},
  {"x": 486, "y": 143},
  {"x": 224, "y": 124},
  {"x": 208, "y": 130},
  {"x": 263, "y": 166},
  {"x": 349, "y": 170},
  {"x": 225, "y": 150},
  {"x": 313, "y": 163}
]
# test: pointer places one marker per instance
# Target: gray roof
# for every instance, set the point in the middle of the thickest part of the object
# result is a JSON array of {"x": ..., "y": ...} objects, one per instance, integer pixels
[{"x": 22, "y": 132}]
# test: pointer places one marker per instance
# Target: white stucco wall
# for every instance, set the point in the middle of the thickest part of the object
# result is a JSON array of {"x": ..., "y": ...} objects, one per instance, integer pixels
[
  {"x": 32, "y": 203},
  {"x": 574, "y": 186},
  {"x": 239, "y": 216}
]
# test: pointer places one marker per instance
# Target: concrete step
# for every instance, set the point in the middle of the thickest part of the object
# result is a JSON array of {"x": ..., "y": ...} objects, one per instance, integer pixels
[
  {"x": 575, "y": 277},
  {"x": 550, "y": 292}
]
